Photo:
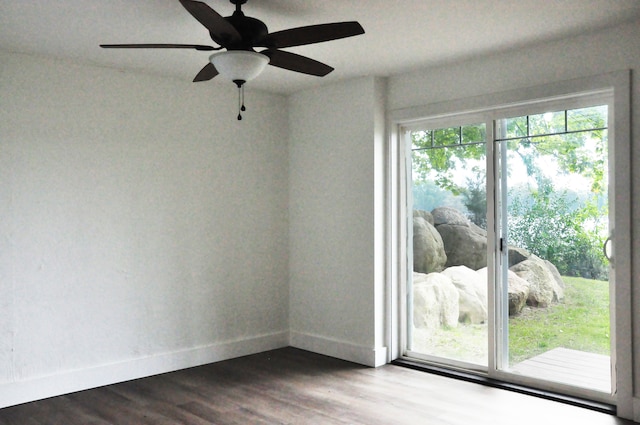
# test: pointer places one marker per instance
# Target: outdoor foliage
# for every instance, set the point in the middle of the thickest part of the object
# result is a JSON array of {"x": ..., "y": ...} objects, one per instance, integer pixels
[
  {"x": 558, "y": 228},
  {"x": 568, "y": 231},
  {"x": 475, "y": 199},
  {"x": 438, "y": 155},
  {"x": 562, "y": 224},
  {"x": 427, "y": 195}
]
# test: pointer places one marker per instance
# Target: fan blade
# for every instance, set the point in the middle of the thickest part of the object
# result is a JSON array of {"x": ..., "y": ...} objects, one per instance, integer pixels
[
  {"x": 294, "y": 62},
  {"x": 311, "y": 34},
  {"x": 220, "y": 29},
  {"x": 208, "y": 72},
  {"x": 157, "y": 46}
]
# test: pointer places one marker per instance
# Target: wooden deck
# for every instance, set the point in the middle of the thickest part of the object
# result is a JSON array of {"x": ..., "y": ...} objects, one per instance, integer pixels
[{"x": 578, "y": 368}]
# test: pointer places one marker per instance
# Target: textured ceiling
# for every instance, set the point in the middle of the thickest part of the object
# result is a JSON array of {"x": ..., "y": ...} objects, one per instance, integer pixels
[{"x": 401, "y": 35}]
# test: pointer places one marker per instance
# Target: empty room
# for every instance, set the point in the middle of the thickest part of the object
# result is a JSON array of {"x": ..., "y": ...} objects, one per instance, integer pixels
[{"x": 275, "y": 211}]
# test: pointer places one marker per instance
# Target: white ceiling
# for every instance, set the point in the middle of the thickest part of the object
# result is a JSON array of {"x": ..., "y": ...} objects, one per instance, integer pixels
[{"x": 401, "y": 35}]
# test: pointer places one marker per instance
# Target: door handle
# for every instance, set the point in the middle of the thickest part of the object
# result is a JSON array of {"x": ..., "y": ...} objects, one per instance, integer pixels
[{"x": 605, "y": 251}]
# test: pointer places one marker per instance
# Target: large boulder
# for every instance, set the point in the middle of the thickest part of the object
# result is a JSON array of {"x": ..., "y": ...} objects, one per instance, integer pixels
[
  {"x": 464, "y": 243},
  {"x": 428, "y": 248},
  {"x": 517, "y": 255},
  {"x": 424, "y": 214},
  {"x": 518, "y": 293},
  {"x": 448, "y": 215},
  {"x": 544, "y": 289},
  {"x": 518, "y": 290},
  {"x": 435, "y": 301},
  {"x": 472, "y": 289},
  {"x": 556, "y": 274}
]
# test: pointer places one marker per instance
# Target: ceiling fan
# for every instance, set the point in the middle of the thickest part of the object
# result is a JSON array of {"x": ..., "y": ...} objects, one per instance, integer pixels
[{"x": 240, "y": 35}]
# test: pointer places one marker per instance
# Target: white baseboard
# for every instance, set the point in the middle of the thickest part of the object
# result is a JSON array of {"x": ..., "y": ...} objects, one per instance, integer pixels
[
  {"x": 18, "y": 392},
  {"x": 361, "y": 354},
  {"x": 635, "y": 411}
]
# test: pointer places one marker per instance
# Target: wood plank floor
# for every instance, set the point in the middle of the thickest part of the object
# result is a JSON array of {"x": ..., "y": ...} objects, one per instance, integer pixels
[
  {"x": 579, "y": 368},
  {"x": 290, "y": 386}
]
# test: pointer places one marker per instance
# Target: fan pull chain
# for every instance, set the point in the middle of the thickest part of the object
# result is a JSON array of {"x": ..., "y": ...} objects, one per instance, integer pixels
[
  {"x": 239, "y": 103},
  {"x": 241, "y": 107}
]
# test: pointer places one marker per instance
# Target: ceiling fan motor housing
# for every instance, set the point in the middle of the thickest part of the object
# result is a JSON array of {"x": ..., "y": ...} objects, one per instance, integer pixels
[{"x": 251, "y": 30}]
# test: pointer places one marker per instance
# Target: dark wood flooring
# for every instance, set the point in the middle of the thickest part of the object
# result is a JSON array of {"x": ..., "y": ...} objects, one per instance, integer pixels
[{"x": 290, "y": 386}]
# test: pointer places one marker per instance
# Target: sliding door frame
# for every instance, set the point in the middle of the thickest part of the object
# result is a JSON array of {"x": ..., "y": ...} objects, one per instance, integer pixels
[{"x": 618, "y": 83}]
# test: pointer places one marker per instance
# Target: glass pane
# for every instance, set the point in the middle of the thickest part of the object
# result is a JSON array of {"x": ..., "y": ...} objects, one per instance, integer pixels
[
  {"x": 475, "y": 133},
  {"x": 513, "y": 127},
  {"x": 547, "y": 123},
  {"x": 558, "y": 290},
  {"x": 448, "y": 288},
  {"x": 587, "y": 118},
  {"x": 446, "y": 136},
  {"x": 420, "y": 139}
]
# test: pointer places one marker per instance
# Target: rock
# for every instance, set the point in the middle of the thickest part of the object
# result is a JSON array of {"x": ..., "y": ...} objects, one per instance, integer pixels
[
  {"x": 465, "y": 244},
  {"x": 472, "y": 289},
  {"x": 554, "y": 271},
  {"x": 428, "y": 249},
  {"x": 517, "y": 255},
  {"x": 543, "y": 287},
  {"x": 424, "y": 214},
  {"x": 448, "y": 215},
  {"x": 435, "y": 301},
  {"x": 518, "y": 290},
  {"x": 518, "y": 293},
  {"x": 483, "y": 278}
]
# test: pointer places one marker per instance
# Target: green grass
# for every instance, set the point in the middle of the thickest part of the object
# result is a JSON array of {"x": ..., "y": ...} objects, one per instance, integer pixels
[{"x": 579, "y": 322}]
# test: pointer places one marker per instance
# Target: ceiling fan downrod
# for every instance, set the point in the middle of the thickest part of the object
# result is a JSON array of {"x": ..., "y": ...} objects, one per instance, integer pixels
[{"x": 238, "y": 4}]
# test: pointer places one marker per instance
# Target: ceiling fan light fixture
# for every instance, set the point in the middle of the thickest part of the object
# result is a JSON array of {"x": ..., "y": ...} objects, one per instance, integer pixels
[{"x": 239, "y": 65}]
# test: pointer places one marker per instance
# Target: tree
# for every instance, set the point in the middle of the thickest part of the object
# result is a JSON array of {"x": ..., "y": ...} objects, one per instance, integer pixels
[
  {"x": 438, "y": 154},
  {"x": 566, "y": 230},
  {"x": 576, "y": 140},
  {"x": 475, "y": 198},
  {"x": 428, "y": 195},
  {"x": 551, "y": 225}
]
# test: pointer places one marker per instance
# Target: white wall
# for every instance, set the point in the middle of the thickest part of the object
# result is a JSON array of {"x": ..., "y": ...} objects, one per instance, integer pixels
[
  {"x": 591, "y": 54},
  {"x": 588, "y": 55},
  {"x": 336, "y": 225},
  {"x": 142, "y": 227}
]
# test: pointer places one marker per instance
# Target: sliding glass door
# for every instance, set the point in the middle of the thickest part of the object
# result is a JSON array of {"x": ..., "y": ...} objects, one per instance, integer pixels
[
  {"x": 507, "y": 225},
  {"x": 554, "y": 209}
]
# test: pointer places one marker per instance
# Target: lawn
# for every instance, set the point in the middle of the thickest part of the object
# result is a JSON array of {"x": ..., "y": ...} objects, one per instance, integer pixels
[{"x": 580, "y": 322}]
